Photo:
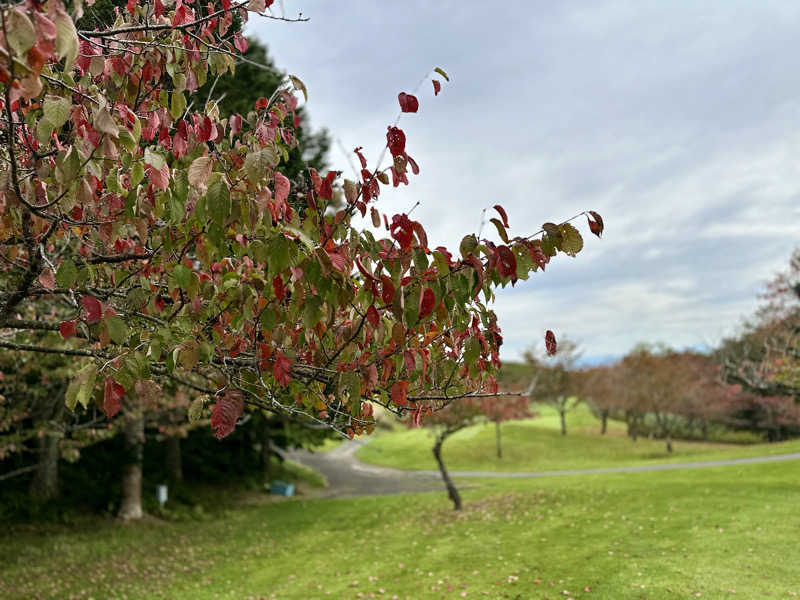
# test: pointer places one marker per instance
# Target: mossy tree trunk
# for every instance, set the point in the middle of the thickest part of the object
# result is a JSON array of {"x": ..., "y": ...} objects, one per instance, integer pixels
[{"x": 133, "y": 432}]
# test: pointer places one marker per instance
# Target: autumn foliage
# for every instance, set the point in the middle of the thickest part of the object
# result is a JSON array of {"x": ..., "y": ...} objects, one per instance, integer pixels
[{"x": 160, "y": 244}]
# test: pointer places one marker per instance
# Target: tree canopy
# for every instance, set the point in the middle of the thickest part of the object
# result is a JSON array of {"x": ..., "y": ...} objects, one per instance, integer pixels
[{"x": 161, "y": 243}]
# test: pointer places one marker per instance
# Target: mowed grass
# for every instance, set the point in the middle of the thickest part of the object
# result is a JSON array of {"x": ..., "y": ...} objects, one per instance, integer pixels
[
  {"x": 537, "y": 445},
  {"x": 714, "y": 533}
]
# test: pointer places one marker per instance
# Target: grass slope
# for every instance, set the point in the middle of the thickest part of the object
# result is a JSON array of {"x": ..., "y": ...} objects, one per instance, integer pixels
[
  {"x": 537, "y": 445},
  {"x": 670, "y": 535}
]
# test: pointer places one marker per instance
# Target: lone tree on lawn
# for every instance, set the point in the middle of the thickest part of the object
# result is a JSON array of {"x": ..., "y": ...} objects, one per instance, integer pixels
[
  {"x": 458, "y": 415},
  {"x": 155, "y": 241},
  {"x": 504, "y": 408},
  {"x": 554, "y": 380}
]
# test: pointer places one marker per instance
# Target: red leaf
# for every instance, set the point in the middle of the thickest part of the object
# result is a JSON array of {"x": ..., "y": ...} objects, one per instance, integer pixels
[
  {"x": 338, "y": 261},
  {"x": 326, "y": 188},
  {"x": 131, "y": 6},
  {"x": 278, "y": 288},
  {"x": 507, "y": 262},
  {"x": 68, "y": 328},
  {"x": 240, "y": 42},
  {"x": 387, "y": 290},
  {"x": 372, "y": 316},
  {"x": 47, "y": 279},
  {"x": 399, "y": 393},
  {"x": 437, "y": 87},
  {"x": 179, "y": 141},
  {"x": 427, "y": 302},
  {"x": 93, "y": 308},
  {"x": 396, "y": 141},
  {"x": 281, "y": 187},
  {"x": 371, "y": 377},
  {"x": 112, "y": 396},
  {"x": 281, "y": 368},
  {"x": 502, "y": 212},
  {"x": 376, "y": 217},
  {"x": 550, "y": 343},
  {"x": 539, "y": 257},
  {"x": 422, "y": 237},
  {"x": 408, "y": 103},
  {"x": 402, "y": 230},
  {"x": 364, "y": 271},
  {"x": 225, "y": 413},
  {"x": 595, "y": 226},
  {"x": 361, "y": 157},
  {"x": 413, "y": 164},
  {"x": 235, "y": 122},
  {"x": 409, "y": 360},
  {"x": 160, "y": 179}
]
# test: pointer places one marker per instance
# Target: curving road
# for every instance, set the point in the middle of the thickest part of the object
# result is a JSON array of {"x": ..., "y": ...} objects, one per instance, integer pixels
[{"x": 348, "y": 476}]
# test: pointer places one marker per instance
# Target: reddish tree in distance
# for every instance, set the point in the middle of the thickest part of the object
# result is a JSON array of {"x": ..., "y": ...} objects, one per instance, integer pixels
[
  {"x": 504, "y": 408},
  {"x": 160, "y": 243}
]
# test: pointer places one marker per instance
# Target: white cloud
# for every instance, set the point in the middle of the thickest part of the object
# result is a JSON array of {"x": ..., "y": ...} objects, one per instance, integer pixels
[{"x": 677, "y": 121}]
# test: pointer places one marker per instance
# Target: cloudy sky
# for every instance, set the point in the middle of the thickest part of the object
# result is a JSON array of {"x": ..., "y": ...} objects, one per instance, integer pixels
[{"x": 679, "y": 122}]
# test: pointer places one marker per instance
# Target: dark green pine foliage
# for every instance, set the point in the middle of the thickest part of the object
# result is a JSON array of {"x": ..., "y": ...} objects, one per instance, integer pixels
[{"x": 239, "y": 92}]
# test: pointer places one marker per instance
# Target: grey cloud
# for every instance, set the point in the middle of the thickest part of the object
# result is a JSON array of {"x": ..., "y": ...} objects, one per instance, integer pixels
[{"x": 677, "y": 121}]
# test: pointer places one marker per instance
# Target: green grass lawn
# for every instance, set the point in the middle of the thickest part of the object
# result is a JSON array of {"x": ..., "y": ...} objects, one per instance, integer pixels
[
  {"x": 708, "y": 533},
  {"x": 537, "y": 445}
]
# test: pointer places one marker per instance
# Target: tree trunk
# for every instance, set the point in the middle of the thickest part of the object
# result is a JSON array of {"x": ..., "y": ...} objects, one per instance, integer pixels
[
  {"x": 669, "y": 442},
  {"x": 563, "y": 414},
  {"x": 497, "y": 439},
  {"x": 633, "y": 429},
  {"x": 44, "y": 485},
  {"x": 604, "y": 417},
  {"x": 452, "y": 492},
  {"x": 704, "y": 429},
  {"x": 174, "y": 461},
  {"x": 266, "y": 453},
  {"x": 131, "y": 505}
]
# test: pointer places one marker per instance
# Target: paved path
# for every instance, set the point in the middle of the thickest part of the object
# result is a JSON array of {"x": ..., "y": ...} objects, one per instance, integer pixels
[{"x": 348, "y": 476}]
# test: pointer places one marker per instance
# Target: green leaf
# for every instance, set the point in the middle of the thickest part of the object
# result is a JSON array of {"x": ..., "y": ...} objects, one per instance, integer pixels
[
  {"x": 137, "y": 173},
  {"x": 182, "y": 275},
  {"x": 441, "y": 72},
  {"x": 117, "y": 329},
  {"x": 80, "y": 389},
  {"x": 351, "y": 384},
  {"x": 136, "y": 299},
  {"x": 154, "y": 159},
  {"x": 57, "y": 110},
  {"x": 472, "y": 350},
  {"x": 44, "y": 130},
  {"x": 299, "y": 86},
  {"x": 21, "y": 32},
  {"x": 195, "y": 412},
  {"x": 571, "y": 240},
  {"x": 177, "y": 105},
  {"x": 67, "y": 274},
  {"x": 312, "y": 312},
  {"x": 501, "y": 230},
  {"x": 104, "y": 122},
  {"x": 66, "y": 39},
  {"x": 468, "y": 244},
  {"x": 68, "y": 166},
  {"x": 278, "y": 254},
  {"x": 218, "y": 202},
  {"x": 258, "y": 164}
]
